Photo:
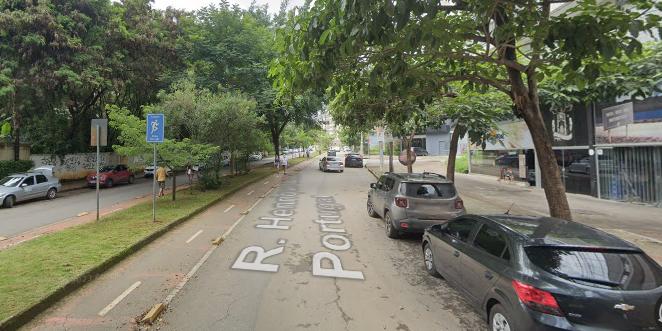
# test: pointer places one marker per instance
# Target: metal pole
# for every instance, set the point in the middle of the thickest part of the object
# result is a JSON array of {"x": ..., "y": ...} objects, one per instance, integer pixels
[
  {"x": 597, "y": 173},
  {"x": 97, "y": 177},
  {"x": 154, "y": 188}
]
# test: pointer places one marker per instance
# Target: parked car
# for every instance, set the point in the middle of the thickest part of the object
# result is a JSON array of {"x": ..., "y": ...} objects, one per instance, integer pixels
[
  {"x": 412, "y": 202},
  {"x": 111, "y": 175},
  {"x": 27, "y": 186},
  {"x": 541, "y": 273},
  {"x": 581, "y": 166},
  {"x": 331, "y": 163},
  {"x": 331, "y": 153},
  {"x": 148, "y": 172},
  {"x": 354, "y": 160},
  {"x": 257, "y": 156},
  {"x": 420, "y": 151}
]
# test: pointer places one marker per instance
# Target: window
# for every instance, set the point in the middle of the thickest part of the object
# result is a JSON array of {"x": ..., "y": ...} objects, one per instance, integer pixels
[
  {"x": 429, "y": 190},
  {"x": 493, "y": 242},
  {"x": 630, "y": 271},
  {"x": 28, "y": 181},
  {"x": 461, "y": 229},
  {"x": 41, "y": 179},
  {"x": 388, "y": 184}
]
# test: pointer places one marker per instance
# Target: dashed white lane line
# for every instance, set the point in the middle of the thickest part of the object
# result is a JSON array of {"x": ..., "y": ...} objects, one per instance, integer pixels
[
  {"x": 251, "y": 192},
  {"x": 117, "y": 300},
  {"x": 193, "y": 236},
  {"x": 228, "y": 209}
]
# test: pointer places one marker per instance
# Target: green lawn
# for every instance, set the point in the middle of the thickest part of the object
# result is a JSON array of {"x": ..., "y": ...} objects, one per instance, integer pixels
[{"x": 33, "y": 270}]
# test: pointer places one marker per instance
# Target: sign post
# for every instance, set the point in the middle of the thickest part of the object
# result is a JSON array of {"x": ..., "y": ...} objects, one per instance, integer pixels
[
  {"x": 98, "y": 137},
  {"x": 155, "y": 133}
]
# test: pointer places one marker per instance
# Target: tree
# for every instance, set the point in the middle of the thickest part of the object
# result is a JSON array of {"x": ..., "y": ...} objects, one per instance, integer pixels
[
  {"x": 507, "y": 45},
  {"x": 471, "y": 113},
  {"x": 173, "y": 153}
]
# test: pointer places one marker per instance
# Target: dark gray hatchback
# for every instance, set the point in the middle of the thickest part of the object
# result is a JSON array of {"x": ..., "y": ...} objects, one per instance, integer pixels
[{"x": 541, "y": 273}]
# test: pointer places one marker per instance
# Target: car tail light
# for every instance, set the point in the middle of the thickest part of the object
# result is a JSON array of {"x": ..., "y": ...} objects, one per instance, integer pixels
[
  {"x": 537, "y": 299},
  {"x": 401, "y": 202},
  {"x": 459, "y": 204},
  {"x": 404, "y": 225}
]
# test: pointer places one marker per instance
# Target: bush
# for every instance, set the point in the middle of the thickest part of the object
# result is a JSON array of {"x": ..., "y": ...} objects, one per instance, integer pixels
[
  {"x": 12, "y": 167},
  {"x": 461, "y": 164},
  {"x": 209, "y": 181}
]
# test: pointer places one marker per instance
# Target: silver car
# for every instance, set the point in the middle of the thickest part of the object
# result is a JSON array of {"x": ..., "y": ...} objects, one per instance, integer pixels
[
  {"x": 27, "y": 186},
  {"x": 412, "y": 202},
  {"x": 331, "y": 163}
]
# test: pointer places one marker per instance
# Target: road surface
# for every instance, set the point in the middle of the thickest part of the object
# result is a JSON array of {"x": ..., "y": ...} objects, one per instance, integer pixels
[{"x": 307, "y": 223}]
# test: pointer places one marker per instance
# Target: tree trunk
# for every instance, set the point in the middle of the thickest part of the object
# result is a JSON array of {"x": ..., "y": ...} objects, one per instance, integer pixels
[
  {"x": 16, "y": 129},
  {"x": 410, "y": 142},
  {"x": 452, "y": 152},
  {"x": 174, "y": 184},
  {"x": 390, "y": 156}
]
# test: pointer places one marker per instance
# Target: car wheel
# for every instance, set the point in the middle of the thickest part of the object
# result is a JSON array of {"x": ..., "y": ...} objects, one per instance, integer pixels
[
  {"x": 371, "y": 209},
  {"x": 131, "y": 179},
  {"x": 109, "y": 183},
  {"x": 391, "y": 232},
  {"x": 9, "y": 202},
  {"x": 50, "y": 195},
  {"x": 500, "y": 320},
  {"x": 428, "y": 258}
]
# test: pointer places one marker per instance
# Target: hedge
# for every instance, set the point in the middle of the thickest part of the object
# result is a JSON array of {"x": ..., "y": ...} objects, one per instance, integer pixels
[{"x": 12, "y": 167}]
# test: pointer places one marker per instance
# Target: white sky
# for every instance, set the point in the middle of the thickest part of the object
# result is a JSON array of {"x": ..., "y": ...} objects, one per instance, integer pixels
[{"x": 274, "y": 5}]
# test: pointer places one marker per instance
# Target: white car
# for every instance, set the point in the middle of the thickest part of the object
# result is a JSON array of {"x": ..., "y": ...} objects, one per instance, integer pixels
[
  {"x": 331, "y": 163},
  {"x": 149, "y": 171},
  {"x": 257, "y": 156}
]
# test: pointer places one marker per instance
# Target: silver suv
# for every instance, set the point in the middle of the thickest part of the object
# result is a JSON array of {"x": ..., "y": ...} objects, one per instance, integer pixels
[{"x": 412, "y": 202}]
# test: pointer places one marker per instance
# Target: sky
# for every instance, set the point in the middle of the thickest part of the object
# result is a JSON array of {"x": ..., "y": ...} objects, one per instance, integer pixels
[{"x": 274, "y": 5}]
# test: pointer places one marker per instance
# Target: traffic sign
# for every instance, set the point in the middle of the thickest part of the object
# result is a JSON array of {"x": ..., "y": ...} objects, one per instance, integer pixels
[
  {"x": 100, "y": 124},
  {"x": 155, "y": 128}
]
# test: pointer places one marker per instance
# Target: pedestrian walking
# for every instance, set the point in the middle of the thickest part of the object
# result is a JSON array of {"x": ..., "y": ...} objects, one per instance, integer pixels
[
  {"x": 189, "y": 174},
  {"x": 161, "y": 175},
  {"x": 284, "y": 163}
]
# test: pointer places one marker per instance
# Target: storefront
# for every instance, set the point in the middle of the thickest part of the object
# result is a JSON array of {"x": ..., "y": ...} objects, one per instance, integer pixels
[{"x": 628, "y": 145}]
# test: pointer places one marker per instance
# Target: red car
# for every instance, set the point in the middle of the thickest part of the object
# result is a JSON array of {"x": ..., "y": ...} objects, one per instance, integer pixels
[{"x": 111, "y": 175}]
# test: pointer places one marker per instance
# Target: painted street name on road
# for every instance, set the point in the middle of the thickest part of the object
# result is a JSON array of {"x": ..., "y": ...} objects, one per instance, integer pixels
[{"x": 333, "y": 238}]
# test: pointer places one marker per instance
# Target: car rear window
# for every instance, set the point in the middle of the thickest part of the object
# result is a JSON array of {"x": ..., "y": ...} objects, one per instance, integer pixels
[
  {"x": 429, "y": 190},
  {"x": 600, "y": 268}
]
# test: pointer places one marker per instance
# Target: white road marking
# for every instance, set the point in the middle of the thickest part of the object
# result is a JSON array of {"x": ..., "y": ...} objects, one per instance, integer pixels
[
  {"x": 227, "y": 210},
  {"x": 251, "y": 192},
  {"x": 193, "y": 236},
  {"x": 117, "y": 300}
]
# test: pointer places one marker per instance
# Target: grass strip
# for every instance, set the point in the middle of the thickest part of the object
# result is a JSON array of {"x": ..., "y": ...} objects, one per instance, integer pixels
[{"x": 33, "y": 272}]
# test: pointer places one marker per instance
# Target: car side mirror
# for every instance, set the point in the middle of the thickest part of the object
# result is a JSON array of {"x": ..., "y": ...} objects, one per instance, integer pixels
[
  {"x": 373, "y": 185},
  {"x": 24, "y": 185}
]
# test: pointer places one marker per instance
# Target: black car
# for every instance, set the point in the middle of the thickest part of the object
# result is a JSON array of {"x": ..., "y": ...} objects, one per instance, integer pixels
[
  {"x": 353, "y": 160},
  {"x": 541, "y": 273},
  {"x": 420, "y": 151}
]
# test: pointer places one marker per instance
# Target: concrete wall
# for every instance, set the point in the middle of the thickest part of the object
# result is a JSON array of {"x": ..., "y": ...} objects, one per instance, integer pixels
[
  {"x": 438, "y": 140},
  {"x": 76, "y": 166},
  {"x": 7, "y": 152}
]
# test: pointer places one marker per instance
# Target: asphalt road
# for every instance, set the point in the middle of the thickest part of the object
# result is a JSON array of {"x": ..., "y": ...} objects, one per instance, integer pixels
[
  {"x": 382, "y": 284},
  {"x": 34, "y": 214}
]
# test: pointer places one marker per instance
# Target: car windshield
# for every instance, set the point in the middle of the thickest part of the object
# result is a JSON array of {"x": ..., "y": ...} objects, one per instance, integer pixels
[
  {"x": 106, "y": 168},
  {"x": 10, "y": 181},
  {"x": 429, "y": 190},
  {"x": 596, "y": 267}
]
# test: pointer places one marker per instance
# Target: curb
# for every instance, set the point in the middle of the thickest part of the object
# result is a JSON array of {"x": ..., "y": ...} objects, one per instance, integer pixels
[{"x": 16, "y": 321}]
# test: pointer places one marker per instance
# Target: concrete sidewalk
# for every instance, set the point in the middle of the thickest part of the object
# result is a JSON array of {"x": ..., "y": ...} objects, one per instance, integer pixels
[{"x": 482, "y": 194}]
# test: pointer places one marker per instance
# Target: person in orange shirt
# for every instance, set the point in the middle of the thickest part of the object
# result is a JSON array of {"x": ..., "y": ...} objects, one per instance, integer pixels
[{"x": 161, "y": 175}]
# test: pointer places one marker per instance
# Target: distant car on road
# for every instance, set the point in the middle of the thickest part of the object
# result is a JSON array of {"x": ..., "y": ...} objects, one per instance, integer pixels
[
  {"x": 331, "y": 152},
  {"x": 111, "y": 175},
  {"x": 541, "y": 273},
  {"x": 354, "y": 160},
  {"x": 412, "y": 202},
  {"x": 257, "y": 156},
  {"x": 420, "y": 151},
  {"x": 27, "y": 186},
  {"x": 331, "y": 163}
]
